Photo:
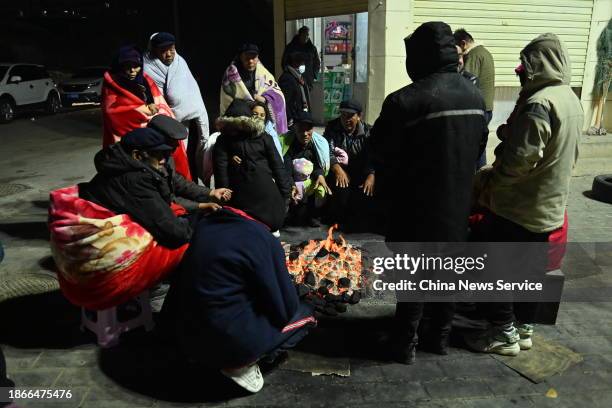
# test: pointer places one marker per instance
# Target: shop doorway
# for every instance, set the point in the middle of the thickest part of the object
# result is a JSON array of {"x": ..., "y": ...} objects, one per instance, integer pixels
[{"x": 342, "y": 43}]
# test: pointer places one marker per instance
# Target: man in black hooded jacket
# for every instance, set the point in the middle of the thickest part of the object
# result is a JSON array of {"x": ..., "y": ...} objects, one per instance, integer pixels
[{"x": 424, "y": 146}]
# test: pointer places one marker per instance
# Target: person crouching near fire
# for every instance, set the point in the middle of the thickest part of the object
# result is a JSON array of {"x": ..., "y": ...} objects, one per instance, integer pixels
[
  {"x": 232, "y": 303},
  {"x": 136, "y": 176}
]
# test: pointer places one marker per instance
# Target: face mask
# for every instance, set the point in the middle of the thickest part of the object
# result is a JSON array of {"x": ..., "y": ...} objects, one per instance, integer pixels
[{"x": 301, "y": 69}]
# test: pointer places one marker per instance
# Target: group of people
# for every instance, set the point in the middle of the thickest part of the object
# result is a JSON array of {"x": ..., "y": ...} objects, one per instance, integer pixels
[
  {"x": 320, "y": 173},
  {"x": 427, "y": 138},
  {"x": 231, "y": 303}
]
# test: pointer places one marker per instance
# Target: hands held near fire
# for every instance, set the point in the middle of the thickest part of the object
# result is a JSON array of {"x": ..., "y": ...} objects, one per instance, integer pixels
[
  {"x": 153, "y": 109},
  {"x": 295, "y": 195},
  {"x": 221, "y": 194},
  {"x": 368, "y": 185},
  {"x": 342, "y": 179},
  {"x": 321, "y": 182},
  {"x": 208, "y": 208}
]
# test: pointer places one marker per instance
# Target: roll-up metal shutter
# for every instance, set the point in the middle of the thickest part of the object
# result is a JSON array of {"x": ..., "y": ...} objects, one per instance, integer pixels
[
  {"x": 295, "y": 9},
  {"x": 506, "y": 26}
]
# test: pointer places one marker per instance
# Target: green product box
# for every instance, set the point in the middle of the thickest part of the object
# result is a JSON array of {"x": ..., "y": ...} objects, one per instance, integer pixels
[{"x": 327, "y": 80}]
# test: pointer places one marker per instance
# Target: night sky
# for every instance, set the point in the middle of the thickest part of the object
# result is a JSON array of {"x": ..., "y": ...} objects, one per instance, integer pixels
[{"x": 68, "y": 34}]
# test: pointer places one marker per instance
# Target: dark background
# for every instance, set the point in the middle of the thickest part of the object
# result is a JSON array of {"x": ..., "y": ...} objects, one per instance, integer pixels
[{"x": 68, "y": 34}]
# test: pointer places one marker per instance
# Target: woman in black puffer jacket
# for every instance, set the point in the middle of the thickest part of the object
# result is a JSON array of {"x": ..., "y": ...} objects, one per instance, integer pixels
[{"x": 247, "y": 162}]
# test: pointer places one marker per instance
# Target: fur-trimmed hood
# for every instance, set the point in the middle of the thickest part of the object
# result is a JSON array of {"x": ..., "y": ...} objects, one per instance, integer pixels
[{"x": 242, "y": 124}]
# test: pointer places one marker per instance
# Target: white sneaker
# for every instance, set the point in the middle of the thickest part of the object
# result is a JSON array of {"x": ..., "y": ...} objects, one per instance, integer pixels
[
  {"x": 276, "y": 233},
  {"x": 525, "y": 332},
  {"x": 495, "y": 341},
  {"x": 249, "y": 377}
]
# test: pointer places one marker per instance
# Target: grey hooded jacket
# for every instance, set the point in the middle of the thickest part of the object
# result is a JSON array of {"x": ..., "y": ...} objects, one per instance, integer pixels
[{"x": 529, "y": 182}]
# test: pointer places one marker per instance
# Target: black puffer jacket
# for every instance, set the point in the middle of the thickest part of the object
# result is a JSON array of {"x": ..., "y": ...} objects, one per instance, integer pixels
[
  {"x": 426, "y": 141},
  {"x": 260, "y": 183},
  {"x": 127, "y": 186}
]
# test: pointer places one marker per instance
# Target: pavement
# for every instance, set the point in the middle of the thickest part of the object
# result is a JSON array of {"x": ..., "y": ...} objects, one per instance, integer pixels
[{"x": 44, "y": 347}]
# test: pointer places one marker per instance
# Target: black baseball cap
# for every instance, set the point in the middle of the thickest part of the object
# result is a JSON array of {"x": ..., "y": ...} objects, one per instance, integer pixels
[
  {"x": 303, "y": 117},
  {"x": 162, "y": 39},
  {"x": 145, "y": 139},
  {"x": 351, "y": 106},
  {"x": 249, "y": 48},
  {"x": 169, "y": 127}
]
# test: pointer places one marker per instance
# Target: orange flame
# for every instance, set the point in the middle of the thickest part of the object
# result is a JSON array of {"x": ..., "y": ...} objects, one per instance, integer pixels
[{"x": 342, "y": 261}]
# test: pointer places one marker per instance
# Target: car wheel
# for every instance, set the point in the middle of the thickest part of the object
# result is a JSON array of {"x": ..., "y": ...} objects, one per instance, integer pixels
[
  {"x": 602, "y": 188},
  {"x": 53, "y": 103},
  {"x": 7, "y": 111}
]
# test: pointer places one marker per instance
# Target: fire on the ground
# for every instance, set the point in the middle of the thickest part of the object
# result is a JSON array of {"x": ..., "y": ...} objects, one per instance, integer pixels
[{"x": 328, "y": 272}]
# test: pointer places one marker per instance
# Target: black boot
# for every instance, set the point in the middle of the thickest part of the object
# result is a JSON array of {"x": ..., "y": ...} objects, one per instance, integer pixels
[
  {"x": 436, "y": 343},
  {"x": 435, "y": 335},
  {"x": 403, "y": 352},
  {"x": 405, "y": 337},
  {"x": 402, "y": 345}
]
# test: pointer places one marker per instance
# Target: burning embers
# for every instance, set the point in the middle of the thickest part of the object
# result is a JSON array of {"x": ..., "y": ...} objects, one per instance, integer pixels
[{"x": 328, "y": 272}]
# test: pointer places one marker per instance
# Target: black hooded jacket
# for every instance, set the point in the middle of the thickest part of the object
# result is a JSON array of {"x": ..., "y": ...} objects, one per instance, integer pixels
[
  {"x": 127, "y": 186},
  {"x": 259, "y": 183},
  {"x": 426, "y": 141}
]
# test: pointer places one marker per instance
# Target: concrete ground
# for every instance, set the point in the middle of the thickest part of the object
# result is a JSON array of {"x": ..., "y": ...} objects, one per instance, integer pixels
[{"x": 45, "y": 348}]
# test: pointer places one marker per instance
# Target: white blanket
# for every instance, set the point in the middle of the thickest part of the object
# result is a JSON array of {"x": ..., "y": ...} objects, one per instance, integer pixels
[{"x": 183, "y": 95}]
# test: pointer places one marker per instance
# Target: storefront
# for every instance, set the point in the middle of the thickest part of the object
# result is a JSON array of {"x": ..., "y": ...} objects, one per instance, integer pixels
[
  {"x": 361, "y": 42},
  {"x": 342, "y": 42}
]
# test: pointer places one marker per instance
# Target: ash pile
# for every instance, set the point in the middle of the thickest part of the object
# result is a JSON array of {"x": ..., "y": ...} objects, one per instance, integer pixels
[{"x": 327, "y": 273}]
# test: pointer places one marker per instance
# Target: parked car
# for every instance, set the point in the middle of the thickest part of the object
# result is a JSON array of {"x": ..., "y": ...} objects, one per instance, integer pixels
[
  {"x": 84, "y": 86},
  {"x": 26, "y": 86}
]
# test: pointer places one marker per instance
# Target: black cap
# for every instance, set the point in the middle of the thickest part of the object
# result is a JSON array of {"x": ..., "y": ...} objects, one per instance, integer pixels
[
  {"x": 238, "y": 108},
  {"x": 161, "y": 40},
  {"x": 303, "y": 117},
  {"x": 248, "y": 47},
  {"x": 129, "y": 53},
  {"x": 351, "y": 106},
  {"x": 169, "y": 127},
  {"x": 145, "y": 139}
]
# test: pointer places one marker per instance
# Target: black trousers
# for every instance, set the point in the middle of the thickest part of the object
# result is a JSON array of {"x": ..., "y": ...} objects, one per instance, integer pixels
[
  {"x": 499, "y": 229},
  {"x": 482, "y": 160},
  {"x": 408, "y": 315},
  {"x": 4, "y": 381},
  {"x": 192, "y": 149}
]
